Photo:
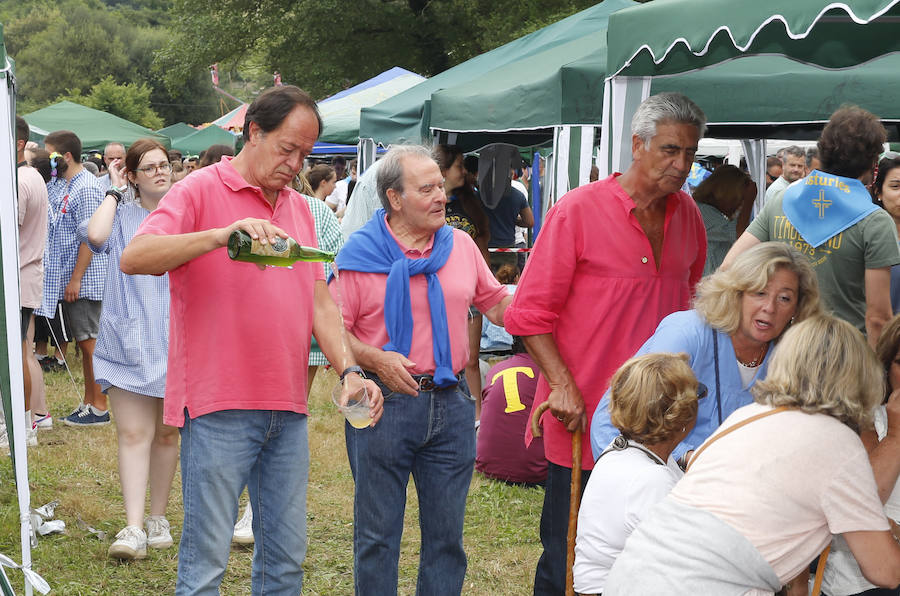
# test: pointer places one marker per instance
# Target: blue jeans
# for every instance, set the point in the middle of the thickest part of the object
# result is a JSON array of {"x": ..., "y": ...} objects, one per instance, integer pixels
[
  {"x": 550, "y": 575},
  {"x": 431, "y": 436},
  {"x": 220, "y": 453}
]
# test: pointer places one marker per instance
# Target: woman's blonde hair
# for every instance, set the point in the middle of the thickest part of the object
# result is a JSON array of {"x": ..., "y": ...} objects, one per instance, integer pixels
[
  {"x": 886, "y": 349},
  {"x": 719, "y": 295},
  {"x": 824, "y": 366},
  {"x": 653, "y": 396}
]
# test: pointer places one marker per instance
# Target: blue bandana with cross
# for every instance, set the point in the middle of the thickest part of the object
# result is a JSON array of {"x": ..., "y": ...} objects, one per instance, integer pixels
[{"x": 823, "y": 205}]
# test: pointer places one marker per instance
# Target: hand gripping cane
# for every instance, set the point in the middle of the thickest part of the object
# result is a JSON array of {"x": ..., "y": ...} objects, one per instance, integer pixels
[{"x": 574, "y": 492}]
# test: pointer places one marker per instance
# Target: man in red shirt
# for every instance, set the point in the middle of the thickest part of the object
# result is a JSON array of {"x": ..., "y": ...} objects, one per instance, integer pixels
[
  {"x": 238, "y": 346},
  {"x": 613, "y": 258}
]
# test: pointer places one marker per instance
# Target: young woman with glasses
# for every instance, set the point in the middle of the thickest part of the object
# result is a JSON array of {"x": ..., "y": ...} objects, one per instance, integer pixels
[{"x": 132, "y": 350}]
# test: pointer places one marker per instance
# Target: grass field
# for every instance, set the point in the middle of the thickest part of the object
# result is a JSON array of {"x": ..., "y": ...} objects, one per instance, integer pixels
[{"x": 78, "y": 467}]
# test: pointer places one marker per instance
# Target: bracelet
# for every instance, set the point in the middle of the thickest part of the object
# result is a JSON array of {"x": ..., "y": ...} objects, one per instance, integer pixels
[
  {"x": 116, "y": 194},
  {"x": 353, "y": 369}
]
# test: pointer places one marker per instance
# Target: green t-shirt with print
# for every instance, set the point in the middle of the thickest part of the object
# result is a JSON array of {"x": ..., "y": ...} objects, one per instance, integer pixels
[{"x": 841, "y": 262}]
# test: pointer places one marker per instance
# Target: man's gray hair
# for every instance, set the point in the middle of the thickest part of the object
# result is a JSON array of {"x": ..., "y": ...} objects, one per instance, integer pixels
[
  {"x": 795, "y": 151},
  {"x": 811, "y": 154},
  {"x": 666, "y": 108},
  {"x": 390, "y": 170}
]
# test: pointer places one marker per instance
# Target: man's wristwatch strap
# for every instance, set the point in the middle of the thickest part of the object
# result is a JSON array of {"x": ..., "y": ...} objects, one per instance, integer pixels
[{"x": 353, "y": 369}]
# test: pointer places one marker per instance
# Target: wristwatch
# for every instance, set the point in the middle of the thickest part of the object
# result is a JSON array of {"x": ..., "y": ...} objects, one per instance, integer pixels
[
  {"x": 116, "y": 194},
  {"x": 353, "y": 369}
]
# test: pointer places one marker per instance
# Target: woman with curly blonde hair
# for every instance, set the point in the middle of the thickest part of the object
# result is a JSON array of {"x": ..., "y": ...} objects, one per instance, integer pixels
[
  {"x": 764, "y": 496},
  {"x": 654, "y": 406},
  {"x": 738, "y": 316}
]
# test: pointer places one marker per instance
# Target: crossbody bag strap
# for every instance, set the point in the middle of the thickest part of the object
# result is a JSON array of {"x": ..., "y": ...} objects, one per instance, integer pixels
[
  {"x": 732, "y": 429},
  {"x": 820, "y": 571},
  {"x": 718, "y": 384}
]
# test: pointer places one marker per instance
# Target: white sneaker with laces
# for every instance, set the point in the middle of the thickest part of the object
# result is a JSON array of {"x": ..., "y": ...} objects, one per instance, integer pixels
[
  {"x": 131, "y": 543},
  {"x": 158, "y": 535},
  {"x": 243, "y": 529}
]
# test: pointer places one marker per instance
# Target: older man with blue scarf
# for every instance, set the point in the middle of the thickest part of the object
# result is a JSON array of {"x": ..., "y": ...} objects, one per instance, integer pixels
[{"x": 406, "y": 283}]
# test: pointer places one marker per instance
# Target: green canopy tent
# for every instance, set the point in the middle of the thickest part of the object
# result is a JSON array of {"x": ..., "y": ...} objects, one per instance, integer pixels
[
  {"x": 534, "y": 100},
  {"x": 93, "y": 127},
  {"x": 11, "y": 381},
  {"x": 754, "y": 97},
  {"x": 201, "y": 140},
  {"x": 177, "y": 130},
  {"x": 667, "y": 37}
]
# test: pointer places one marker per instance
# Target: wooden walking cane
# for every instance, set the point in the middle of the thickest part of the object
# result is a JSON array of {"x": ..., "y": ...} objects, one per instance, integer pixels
[{"x": 574, "y": 493}]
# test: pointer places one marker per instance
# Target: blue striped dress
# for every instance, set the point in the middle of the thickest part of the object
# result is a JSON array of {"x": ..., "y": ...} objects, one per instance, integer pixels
[{"x": 133, "y": 345}]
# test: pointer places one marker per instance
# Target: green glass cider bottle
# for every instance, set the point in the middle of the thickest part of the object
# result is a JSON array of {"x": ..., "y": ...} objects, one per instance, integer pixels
[{"x": 282, "y": 253}]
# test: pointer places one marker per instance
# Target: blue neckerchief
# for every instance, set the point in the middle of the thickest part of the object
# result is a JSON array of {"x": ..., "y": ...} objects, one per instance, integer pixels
[
  {"x": 372, "y": 249},
  {"x": 823, "y": 205}
]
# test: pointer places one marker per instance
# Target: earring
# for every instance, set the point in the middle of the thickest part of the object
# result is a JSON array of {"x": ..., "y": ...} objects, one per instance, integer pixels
[
  {"x": 792, "y": 320},
  {"x": 683, "y": 428}
]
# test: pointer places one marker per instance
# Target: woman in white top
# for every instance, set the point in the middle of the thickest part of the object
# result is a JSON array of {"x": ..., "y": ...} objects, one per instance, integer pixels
[
  {"x": 757, "y": 505},
  {"x": 654, "y": 405},
  {"x": 843, "y": 576}
]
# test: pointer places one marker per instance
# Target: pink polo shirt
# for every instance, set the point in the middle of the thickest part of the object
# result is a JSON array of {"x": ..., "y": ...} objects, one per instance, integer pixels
[
  {"x": 238, "y": 336},
  {"x": 465, "y": 279},
  {"x": 592, "y": 282}
]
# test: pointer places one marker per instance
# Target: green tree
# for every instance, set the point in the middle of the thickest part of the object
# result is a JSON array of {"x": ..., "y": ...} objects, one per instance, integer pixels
[
  {"x": 77, "y": 43},
  {"x": 129, "y": 101},
  {"x": 327, "y": 45}
]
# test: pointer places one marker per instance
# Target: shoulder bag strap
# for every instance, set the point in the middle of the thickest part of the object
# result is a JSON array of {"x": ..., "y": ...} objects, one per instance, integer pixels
[
  {"x": 718, "y": 385},
  {"x": 732, "y": 429}
]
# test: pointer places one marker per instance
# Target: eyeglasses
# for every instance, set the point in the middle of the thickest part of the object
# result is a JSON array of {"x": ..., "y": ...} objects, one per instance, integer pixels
[{"x": 152, "y": 169}]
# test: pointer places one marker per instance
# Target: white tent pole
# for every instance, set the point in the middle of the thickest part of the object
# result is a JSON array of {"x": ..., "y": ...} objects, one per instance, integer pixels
[
  {"x": 585, "y": 152},
  {"x": 561, "y": 163},
  {"x": 755, "y": 151},
  {"x": 9, "y": 234},
  {"x": 365, "y": 155},
  {"x": 604, "y": 163}
]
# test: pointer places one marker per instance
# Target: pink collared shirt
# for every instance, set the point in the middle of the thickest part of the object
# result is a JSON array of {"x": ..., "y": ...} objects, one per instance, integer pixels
[
  {"x": 465, "y": 279},
  {"x": 592, "y": 282},
  {"x": 238, "y": 337}
]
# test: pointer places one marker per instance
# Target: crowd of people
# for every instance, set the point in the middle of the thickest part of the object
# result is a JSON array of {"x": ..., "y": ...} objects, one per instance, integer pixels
[{"x": 658, "y": 318}]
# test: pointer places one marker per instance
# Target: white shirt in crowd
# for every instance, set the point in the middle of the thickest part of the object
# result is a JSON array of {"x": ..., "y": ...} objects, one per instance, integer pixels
[{"x": 624, "y": 485}]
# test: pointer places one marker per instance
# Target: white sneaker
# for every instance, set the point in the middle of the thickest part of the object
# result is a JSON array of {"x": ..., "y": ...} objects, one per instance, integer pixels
[
  {"x": 45, "y": 421},
  {"x": 243, "y": 529},
  {"x": 131, "y": 543},
  {"x": 31, "y": 437},
  {"x": 158, "y": 535}
]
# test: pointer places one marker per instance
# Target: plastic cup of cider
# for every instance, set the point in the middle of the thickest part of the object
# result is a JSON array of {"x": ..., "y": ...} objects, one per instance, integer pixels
[{"x": 356, "y": 410}]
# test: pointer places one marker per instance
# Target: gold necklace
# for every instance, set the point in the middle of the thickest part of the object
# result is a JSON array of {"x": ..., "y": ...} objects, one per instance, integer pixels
[{"x": 756, "y": 361}]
